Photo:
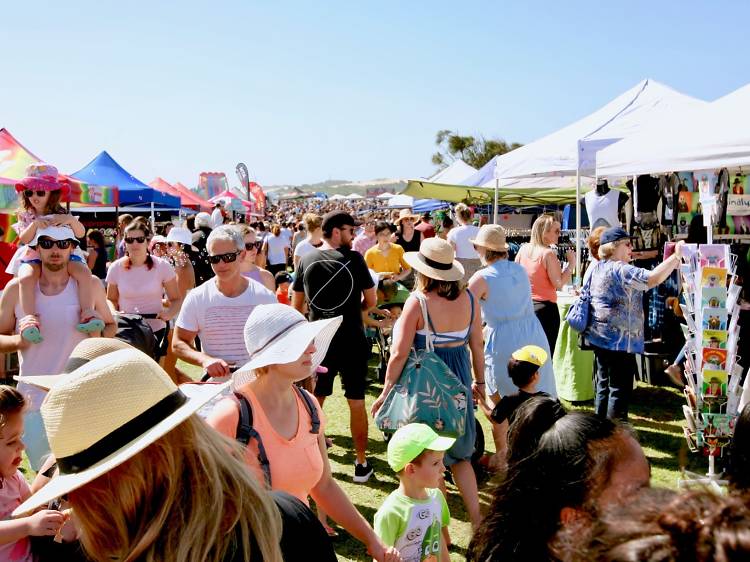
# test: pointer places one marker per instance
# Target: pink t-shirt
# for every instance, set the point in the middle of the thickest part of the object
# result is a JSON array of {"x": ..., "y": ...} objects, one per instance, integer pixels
[
  {"x": 141, "y": 289},
  {"x": 12, "y": 494},
  {"x": 296, "y": 464}
]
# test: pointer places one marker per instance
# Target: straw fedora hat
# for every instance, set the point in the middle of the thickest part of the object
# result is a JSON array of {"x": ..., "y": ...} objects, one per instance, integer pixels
[
  {"x": 492, "y": 237},
  {"x": 436, "y": 259},
  {"x": 405, "y": 214},
  {"x": 85, "y": 351},
  {"x": 276, "y": 334},
  {"x": 106, "y": 412}
]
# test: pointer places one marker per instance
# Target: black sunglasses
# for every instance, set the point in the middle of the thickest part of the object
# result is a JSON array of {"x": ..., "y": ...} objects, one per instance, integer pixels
[
  {"x": 131, "y": 239},
  {"x": 47, "y": 243},
  {"x": 30, "y": 193},
  {"x": 226, "y": 258},
  {"x": 250, "y": 245}
]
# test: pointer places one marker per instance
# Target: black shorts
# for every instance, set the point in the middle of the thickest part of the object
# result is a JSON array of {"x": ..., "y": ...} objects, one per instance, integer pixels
[{"x": 349, "y": 359}]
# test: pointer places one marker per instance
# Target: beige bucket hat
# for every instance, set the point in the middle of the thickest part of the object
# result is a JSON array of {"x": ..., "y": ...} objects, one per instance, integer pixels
[
  {"x": 405, "y": 214},
  {"x": 107, "y": 411},
  {"x": 436, "y": 260},
  {"x": 492, "y": 237}
]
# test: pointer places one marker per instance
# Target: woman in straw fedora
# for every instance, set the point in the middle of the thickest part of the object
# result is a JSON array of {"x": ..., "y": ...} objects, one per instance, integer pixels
[
  {"x": 408, "y": 237},
  {"x": 284, "y": 348},
  {"x": 455, "y": 329},
  {"x": 128, "y": 446},
  {"x": 503, "y": 290}
]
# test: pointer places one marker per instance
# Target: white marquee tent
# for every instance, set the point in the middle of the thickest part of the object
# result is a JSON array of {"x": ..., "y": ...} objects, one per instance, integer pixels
[
  {"x": 712, "y": 137},
  {"x": 456, "y": 173}
]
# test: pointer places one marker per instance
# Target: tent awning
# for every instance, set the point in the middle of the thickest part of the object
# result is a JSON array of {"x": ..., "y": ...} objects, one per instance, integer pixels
[{"x": 106, "y": 171}]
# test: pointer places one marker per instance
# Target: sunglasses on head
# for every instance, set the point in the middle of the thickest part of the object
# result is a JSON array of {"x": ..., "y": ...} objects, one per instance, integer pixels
[
  {"x": 226, "y": 258},
  {"x": 250, "y": 245},
  {"x": 47, "y": 243},
  {"x": 30, "y": 193},
  {"x": 132, "y": 239}
]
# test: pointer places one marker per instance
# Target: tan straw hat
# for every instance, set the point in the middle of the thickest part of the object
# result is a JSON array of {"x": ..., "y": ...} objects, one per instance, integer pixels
[
  {"x": 276, "y": 334},
  {"x": 492, "y": 237},
  {"x": 405, "y": 214},
  {"x": 435, "y": 259},
  {"x": 85, "y": 351},
  {"x": 106, "y": 412}
]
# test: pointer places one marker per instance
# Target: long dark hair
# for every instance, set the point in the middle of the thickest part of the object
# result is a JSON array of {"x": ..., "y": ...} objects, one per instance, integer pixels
[
  {"x": 555, "y": 460},
  {"x": 139, "y": 224},
  {"x": 98, "y": 237}
]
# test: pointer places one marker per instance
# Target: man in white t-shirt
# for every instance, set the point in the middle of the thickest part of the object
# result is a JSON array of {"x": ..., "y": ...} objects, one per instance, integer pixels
[
  {"x": 216, "y": 311},
  {"x": 460, "y": 238},
  {"x": 314, "y": 238},
  {"x": 58, "y": 308},
  {"x": 217, "y": 216}
]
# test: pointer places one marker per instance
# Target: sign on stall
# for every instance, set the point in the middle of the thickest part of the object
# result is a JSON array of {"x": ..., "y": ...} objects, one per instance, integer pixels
[{"x": 738, "y": 205}]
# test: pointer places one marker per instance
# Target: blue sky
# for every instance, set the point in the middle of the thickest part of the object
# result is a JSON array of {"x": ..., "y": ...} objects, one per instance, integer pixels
[{"x": 308, "y": 91}]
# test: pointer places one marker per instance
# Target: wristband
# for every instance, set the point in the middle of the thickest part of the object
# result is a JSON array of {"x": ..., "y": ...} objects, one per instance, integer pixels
[{"x": 478, "y": 383}]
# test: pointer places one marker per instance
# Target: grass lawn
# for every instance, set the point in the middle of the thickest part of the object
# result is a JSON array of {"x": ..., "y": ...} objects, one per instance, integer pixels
[{"x": 655, "y": 414}]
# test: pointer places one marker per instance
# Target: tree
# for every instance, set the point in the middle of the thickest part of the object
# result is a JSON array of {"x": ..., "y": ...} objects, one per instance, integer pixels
[{"x": 475, "y": 152}]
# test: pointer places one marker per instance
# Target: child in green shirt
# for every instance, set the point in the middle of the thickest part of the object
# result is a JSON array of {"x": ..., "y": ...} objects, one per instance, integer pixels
[{"x": 412, "y": 517}]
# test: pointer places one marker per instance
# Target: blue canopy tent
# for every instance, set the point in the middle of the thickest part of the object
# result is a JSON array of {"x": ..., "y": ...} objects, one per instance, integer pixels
[
  {"x": 104, "y": 170},
  {"x": 425, "y": 205}
]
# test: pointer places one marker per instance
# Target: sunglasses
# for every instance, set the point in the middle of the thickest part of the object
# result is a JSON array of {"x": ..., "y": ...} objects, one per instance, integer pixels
[
  {"x": 30, "y": 193},
  {"x": 133, "y": 239},
  {"x": 250, "y": 245},
  {"x": 226, "y": 258},
  {"x": 47, "y": 243}
]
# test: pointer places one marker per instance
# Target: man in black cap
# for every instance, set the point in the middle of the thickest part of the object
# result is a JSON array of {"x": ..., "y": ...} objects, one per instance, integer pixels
[{"x": 334, "y": 281}]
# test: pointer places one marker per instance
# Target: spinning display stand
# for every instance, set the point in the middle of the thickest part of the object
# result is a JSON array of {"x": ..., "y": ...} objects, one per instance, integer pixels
[{"x": 712, "y": 366}]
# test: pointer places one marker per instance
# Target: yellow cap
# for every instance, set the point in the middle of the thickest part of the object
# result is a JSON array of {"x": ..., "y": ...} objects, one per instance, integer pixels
[{"x": 531, "y": 354}]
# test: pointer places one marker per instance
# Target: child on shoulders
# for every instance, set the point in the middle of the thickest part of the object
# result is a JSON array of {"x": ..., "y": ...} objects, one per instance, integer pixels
[{"x": 412, "y": 517}]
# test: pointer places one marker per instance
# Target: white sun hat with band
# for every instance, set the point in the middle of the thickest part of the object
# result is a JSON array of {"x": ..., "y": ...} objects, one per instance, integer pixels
[
  {"x": 276, "y": 334},
  {"x": 436, "y": 260},
  {"x": 106, "y": 412}
]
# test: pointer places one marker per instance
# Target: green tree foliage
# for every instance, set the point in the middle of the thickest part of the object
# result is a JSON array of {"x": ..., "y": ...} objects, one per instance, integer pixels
[{"x": 473, "y": 151}]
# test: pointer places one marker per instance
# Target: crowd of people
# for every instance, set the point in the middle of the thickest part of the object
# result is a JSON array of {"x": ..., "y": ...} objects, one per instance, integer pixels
[{"x": 135, "y": 460}]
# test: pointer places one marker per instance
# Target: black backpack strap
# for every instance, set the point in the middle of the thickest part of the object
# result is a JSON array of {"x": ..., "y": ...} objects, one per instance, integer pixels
[
  {"x": 311, "y": 409},
  {"x": 246, "y": 432}
]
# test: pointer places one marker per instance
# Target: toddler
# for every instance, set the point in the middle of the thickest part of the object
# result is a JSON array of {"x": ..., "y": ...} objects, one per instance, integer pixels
[{"x": 41, "y": 192}]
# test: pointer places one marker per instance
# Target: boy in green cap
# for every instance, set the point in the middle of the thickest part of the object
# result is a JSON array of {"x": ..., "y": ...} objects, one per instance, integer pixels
[{"x": 412, "y": 517}]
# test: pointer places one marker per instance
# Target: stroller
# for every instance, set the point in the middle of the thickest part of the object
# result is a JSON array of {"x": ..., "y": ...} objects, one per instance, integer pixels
[{"x": 390, "y": 298}]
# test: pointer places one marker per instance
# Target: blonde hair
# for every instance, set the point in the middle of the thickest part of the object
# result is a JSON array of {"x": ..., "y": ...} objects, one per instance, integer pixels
[
  {"x": 607, "y": 250},
  {"x": 188, "y": 496},
  {"x": 244, "y": 229},
  {"x": 463, "y": 212},
  {"x": 312, "y": 221},
  {"x": 539, "y": 229}
]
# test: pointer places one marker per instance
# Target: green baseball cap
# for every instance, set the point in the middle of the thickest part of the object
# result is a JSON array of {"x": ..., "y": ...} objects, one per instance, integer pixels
[{"x": 410, "y": 440}]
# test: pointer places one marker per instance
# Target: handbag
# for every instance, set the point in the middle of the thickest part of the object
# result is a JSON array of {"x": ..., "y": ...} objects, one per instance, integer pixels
[
  {"x": 426, "y": 392},
  {"x": 578, "y": 314}
]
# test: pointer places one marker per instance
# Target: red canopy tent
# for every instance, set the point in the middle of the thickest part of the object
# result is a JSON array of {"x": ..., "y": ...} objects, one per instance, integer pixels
[
  {"x": 193, "y": 196},
  {"x": 232, "y": 201}
]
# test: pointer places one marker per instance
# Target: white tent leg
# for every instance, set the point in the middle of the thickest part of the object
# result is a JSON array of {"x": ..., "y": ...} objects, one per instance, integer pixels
[
  {"x": 495, "y": 216},
  {"x": 153, "y": 218},
  {"x": 578, "y": 226}
]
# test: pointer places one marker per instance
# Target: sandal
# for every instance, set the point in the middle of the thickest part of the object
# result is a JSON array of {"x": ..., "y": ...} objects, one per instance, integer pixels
[
  {"x": 90, "y": 325},
  {"x": 30, "y": 329}
]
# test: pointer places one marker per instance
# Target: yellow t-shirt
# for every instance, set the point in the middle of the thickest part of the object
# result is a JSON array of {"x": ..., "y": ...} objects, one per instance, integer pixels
[{"x": 394, "y": 262}]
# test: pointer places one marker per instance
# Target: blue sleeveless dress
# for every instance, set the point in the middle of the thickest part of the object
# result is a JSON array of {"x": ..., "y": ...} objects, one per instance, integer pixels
[
  {"x": 508, "y": 314},
  {"x": 459, "y": 361}
]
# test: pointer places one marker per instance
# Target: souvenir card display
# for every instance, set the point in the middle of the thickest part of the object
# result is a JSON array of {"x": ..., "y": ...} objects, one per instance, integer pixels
[{"x": 711, "y": 330}]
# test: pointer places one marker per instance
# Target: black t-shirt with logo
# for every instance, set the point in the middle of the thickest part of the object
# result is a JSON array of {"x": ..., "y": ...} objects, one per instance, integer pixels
[{"x": 333, "y": 281}]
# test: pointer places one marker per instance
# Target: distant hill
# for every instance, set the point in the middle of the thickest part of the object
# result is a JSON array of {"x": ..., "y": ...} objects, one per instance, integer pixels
[{"x": 341, "y": 187}]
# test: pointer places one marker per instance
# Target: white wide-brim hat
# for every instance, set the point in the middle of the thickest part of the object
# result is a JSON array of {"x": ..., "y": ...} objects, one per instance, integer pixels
[
  {"x": 106, "y": 412},
  {"x": 180, "y": 234},
  {"x": 436, "y": 260},
  {"x": 276, "y": 334}
]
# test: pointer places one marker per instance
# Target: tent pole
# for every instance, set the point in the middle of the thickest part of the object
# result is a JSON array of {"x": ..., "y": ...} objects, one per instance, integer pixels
[
  {"x": 497, "y": 188},
  {"x": 153, "y": 218},
  {"x": 578, "y": 224}
]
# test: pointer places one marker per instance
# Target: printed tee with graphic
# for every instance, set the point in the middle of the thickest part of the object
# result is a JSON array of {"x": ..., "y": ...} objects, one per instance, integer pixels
[
  {"x": 413, "y": 526},
  {"x": 220, "y": 320}
]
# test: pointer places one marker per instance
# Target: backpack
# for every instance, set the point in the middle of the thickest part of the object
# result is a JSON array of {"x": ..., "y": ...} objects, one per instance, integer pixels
[
  {"x": 245, "y": 430},
  {"x": 134, "y": 330}
]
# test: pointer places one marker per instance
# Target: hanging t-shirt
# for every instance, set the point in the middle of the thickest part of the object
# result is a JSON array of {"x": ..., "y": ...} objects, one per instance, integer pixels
[
  {"x": 413, "y": 527},
  {"x": 460, "y": 237},
  {"x": 602, "y": 210},
  {"x": 141, "y": 289},
  {"x": 220, "y": 320},
  {"x": 12, "y": 494}
]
